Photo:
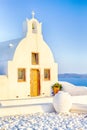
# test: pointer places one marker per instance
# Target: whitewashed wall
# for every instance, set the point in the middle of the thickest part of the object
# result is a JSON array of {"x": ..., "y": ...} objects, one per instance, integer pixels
[
  {"x": 22, "y": 59},
  {"x": 4, "y": 87}
]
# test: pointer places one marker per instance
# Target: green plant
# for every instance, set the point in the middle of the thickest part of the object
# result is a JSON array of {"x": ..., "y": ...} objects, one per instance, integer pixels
[{"x": 57, "y": 85}]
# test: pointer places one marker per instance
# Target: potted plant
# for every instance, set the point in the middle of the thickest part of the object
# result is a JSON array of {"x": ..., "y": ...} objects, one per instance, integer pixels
[{"x": 56, "y": 87}]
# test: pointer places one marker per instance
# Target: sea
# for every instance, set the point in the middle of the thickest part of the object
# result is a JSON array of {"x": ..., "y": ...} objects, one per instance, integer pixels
[{"x": 76, "y": 81}]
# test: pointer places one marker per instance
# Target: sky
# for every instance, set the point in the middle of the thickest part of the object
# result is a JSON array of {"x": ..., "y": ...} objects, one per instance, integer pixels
[{"x": 64, "y": 28}]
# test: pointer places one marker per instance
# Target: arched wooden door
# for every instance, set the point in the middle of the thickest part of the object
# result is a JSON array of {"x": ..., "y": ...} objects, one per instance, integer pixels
[{"x": 34, "y": 82}]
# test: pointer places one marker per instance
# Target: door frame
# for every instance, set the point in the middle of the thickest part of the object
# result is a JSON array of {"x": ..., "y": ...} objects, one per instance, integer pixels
[{"x": 36, "y": 83}]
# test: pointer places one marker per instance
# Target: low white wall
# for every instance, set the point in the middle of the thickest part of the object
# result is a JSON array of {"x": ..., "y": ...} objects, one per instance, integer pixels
[
  {"x": 33, "y": 100},
  {"x": 32, "y": 105},
  {"x": 79, "y": 99},
  {"x": 26, "y": 109},
  {"x": 73, "y": 90}
]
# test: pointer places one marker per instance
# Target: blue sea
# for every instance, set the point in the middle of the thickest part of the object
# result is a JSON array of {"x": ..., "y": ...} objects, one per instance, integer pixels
[{"x": 75, "y": 81}]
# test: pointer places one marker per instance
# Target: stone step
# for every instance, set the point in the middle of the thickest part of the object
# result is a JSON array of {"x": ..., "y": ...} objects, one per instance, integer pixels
[
  {"x": 26, "y": 109},
  {"x": 33, "y": 100},
  {"x": 26, "y": 106}
]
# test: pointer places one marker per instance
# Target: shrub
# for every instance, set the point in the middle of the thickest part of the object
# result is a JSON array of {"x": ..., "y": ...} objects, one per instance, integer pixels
[{"x": 57, "y": 85}]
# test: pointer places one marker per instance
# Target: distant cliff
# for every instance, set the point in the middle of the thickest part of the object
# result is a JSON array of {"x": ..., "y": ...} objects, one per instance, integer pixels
[{"x": 72, "y": 75}]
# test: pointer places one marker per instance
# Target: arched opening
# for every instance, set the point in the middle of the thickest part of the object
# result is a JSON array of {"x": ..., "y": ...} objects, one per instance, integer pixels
[{"x": 34, "y": 27}]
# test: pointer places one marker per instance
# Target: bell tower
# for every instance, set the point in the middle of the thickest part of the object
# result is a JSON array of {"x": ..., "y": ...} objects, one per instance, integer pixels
[{"x": 33, "y": 26}]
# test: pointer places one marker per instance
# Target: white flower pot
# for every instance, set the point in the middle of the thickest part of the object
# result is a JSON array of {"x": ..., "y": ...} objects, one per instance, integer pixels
[{"x": 62, "y": 102}]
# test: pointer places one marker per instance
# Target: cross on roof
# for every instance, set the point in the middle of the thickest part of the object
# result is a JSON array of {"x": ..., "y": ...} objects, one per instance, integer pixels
[{"x": 33, "y": 14}]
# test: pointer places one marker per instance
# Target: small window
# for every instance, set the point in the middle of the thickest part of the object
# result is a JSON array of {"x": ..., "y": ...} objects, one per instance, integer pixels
[
  {"x": 21, "y": 75},
  {"x": 35, "y": 58},
  {"x": 46, "y": 74},
  {"x": 34, "y": 27}
]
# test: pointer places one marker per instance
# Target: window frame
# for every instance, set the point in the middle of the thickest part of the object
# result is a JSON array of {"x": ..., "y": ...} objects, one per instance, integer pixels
[
  {"x": 47, "y": 76},
  {"x": 22, "y": 75},
  {"x": 35, "y": 58}
]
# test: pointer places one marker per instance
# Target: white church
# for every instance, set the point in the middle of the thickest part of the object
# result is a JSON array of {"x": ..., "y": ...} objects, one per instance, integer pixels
[{"x": 28, "y": 66}]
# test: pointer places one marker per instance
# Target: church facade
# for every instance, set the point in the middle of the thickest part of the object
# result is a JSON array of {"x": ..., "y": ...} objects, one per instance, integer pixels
[{"x": 32, "y": 70}]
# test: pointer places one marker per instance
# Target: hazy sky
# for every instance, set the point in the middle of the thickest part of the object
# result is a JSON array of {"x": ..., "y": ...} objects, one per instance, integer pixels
[{"x": 64, "y": 26}]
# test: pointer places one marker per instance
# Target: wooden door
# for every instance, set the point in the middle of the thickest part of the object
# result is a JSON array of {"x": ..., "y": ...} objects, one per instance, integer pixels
[{"x": 34, "y": 82}]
